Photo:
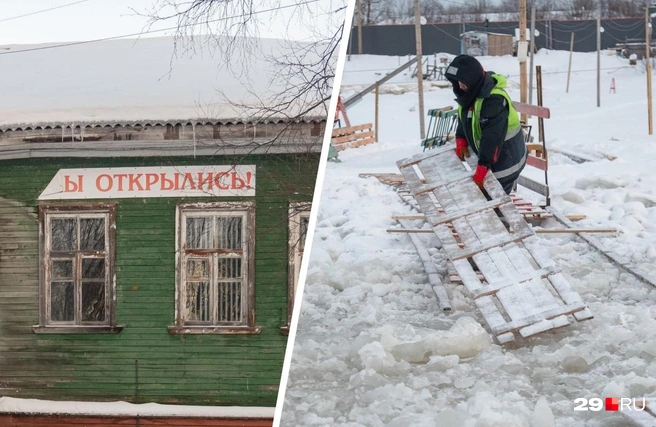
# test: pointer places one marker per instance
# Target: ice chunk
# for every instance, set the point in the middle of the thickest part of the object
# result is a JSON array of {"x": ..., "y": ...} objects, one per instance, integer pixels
[
  {"x": 614, "y": 389},
  {"x": 367, "y": 378},
  {"x": 542, "y": 415},
  {"x": 466, "y": 338},
  {"x": 631, "y": 224},
  {"x": 414, "y": 352},
  {"x": 467, "y": 382},
  {"x": 374, "y": 356},
  {"x": 442, "y": 363},
  {"x": 315, "y": 420},
  {"x": 575, "y": 364},
  {"x": 574, "y": 197},
  {"x": 452, "y": 418}
]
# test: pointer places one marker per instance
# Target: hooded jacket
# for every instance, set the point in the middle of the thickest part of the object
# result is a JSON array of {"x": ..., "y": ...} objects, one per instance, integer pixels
[{"x": 486, "y": 117}]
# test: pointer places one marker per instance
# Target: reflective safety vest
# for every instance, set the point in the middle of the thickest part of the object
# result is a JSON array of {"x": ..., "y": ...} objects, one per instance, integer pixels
[{"x": 514, "y": 126}]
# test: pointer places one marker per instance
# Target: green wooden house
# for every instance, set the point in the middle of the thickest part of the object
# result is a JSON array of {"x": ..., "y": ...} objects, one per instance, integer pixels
[{"x": 146, "y": 254}]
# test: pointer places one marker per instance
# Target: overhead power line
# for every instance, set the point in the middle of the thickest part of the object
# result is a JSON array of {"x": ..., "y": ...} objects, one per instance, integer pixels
[
  {"x": 42, "y": 11},
  {"x": 243, "y": 15}
]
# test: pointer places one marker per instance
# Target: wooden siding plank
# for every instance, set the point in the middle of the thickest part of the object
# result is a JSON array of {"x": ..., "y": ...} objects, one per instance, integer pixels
[{"x": 184, "y": 369}]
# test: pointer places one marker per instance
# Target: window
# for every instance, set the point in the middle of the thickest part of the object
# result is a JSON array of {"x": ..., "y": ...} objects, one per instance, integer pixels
[
  {"x": 77, "y": 269},
  {"x": 299, "y": 218},
  {"x": 215, "y": 286}
]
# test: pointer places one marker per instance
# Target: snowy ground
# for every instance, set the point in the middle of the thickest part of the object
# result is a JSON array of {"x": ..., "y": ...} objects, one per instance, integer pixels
[
  {"x": 372, "y": 348},
  {"x": 10, "y": 405}
]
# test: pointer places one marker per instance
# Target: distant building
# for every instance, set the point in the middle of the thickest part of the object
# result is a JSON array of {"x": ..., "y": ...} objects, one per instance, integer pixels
[{"x": 479, "y": 43}]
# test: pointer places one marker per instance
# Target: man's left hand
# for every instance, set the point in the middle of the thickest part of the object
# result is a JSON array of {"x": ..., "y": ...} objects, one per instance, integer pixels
[{"x": 479, "y": 175}]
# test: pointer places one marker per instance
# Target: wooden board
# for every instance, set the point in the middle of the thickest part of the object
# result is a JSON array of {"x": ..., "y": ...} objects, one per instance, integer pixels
[
  {"x": 615, "y": 258},
  {"x": 352, "y": 136},
  {"x": 530, "y": 211},
  {"x": 517, "y": 294},
  {"x": 350, "y": 129},
  {"x": 642, "y": 418},
  {"x": 353, "y": 144},
  {"x": 532, "y": 110},
  {"x": 431, "y": 271}
]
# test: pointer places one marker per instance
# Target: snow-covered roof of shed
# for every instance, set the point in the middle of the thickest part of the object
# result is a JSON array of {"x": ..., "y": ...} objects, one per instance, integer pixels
[{"x": 133, "y": 81}]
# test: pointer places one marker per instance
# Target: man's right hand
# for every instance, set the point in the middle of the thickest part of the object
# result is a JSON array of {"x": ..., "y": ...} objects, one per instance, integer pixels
[{"x": 462, "y": 149}]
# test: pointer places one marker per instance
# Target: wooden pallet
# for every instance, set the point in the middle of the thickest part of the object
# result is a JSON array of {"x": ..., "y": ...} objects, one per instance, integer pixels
[
  {"x": 352, "y": 136},
  {"x": 522, "y": 290}
]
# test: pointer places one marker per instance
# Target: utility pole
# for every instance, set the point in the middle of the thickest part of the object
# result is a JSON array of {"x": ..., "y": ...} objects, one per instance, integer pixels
[
  {"x": 521, "y": 54},
  {"x": 530, "y": 68},
  {"x": 599, "y": 56},
  {"x": 569, "y": 67},
  {"x": 358, "y": 5},
  {"x": 648, "y": 67},
  {"x": 420, "y": 72}
]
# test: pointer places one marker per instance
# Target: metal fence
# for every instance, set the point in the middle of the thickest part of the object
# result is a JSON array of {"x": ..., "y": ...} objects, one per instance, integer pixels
[{"x": 399, "y": 40}]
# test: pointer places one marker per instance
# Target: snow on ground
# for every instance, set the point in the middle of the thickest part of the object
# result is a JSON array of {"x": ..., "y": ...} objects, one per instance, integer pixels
[
  {"x": 372, "y": 347},
  {"x": 10, "y": 405}
]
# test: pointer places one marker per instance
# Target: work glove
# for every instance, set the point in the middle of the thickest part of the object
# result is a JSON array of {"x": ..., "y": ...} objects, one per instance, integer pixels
[
  {"x": 479, "y": 175},
  {"x": 462, "y": 149}
]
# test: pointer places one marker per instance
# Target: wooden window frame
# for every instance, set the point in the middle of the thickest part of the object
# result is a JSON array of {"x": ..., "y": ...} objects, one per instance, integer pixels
[
  {"x": 45, "y": 325},
  {"x": 247, "y": 210},
  {"x": 297, "y": 210}
]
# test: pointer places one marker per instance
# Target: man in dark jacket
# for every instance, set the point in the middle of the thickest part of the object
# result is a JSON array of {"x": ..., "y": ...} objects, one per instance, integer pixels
[{"x": 487, "y": 122}]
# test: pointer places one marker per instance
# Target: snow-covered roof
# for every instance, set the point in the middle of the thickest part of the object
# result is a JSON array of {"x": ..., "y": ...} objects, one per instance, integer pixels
[{"x": 137, "y": 80}]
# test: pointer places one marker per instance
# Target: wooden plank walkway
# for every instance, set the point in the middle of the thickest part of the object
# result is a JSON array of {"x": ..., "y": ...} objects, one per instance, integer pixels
[{"x": 522, "y": 291}]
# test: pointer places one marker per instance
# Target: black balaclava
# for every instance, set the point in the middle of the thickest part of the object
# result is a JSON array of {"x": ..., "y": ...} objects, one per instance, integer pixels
[{"x": 466, "y": 69}]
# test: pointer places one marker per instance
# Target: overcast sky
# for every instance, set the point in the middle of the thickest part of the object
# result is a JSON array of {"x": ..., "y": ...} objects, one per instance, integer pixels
[{"x": 94, "y": 19}]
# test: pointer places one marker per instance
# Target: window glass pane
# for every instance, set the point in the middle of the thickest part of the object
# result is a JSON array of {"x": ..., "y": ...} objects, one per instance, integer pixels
[
  {"x": 197, "y": 302},
  {"x": 229, "y": 268},
  {"x": 228, "y": 232},
  {"x": 64, "y": 234},
  {"x": 199, "y": 233},
  {"x": 93, "y": 301},
  {"x": 62, "y": 269},
  {"x": 305, "y": 220},
  {"x": 197, "y": 268},
  {"x": 62, "y": 302},
  {"x": 92, "y": 234},
  {"x": 93, "y": 268},
  {"x": 230, "y": 302}
]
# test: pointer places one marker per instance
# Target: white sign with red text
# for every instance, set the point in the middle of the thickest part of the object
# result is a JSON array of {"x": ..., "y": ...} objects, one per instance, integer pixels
[{"x": 169, "y": 181}]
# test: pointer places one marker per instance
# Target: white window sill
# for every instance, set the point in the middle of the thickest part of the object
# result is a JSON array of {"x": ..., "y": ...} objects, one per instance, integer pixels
[
  {"x": 77, "y": 329},
  {"x": 209, "y": 330}
]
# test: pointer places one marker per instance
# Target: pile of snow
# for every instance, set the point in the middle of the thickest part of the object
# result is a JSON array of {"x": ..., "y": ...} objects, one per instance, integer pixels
[
  {"x": 373, "y": 348},
  {"x": 10, "y": 405}
]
